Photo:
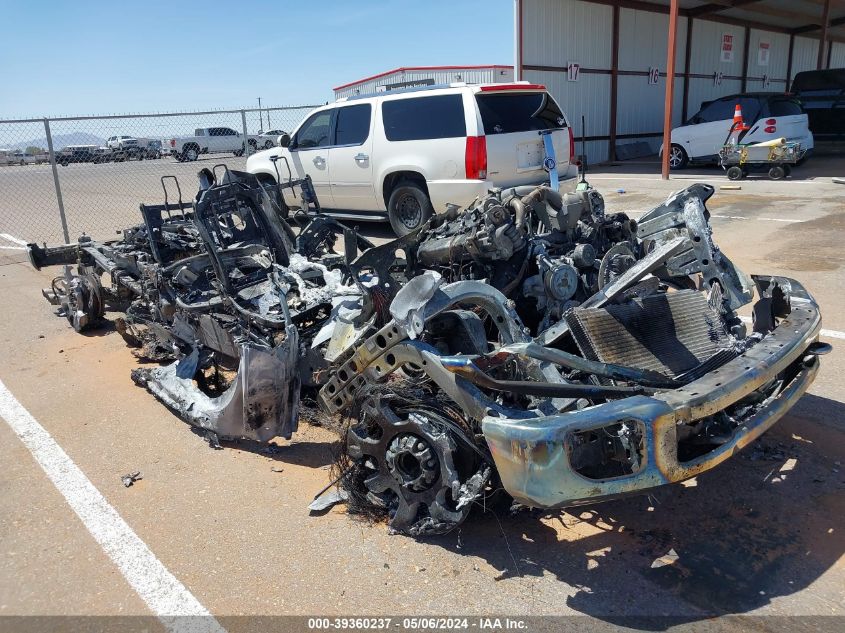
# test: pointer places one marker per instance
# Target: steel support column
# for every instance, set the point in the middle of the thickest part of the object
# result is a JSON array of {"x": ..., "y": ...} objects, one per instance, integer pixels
[
  {"x": 823, "y": 34},
  {"x": 789, "y": 61},
  {"x": 687, "y": 55},
  {"x": 614, "y": 83},
  {"x": 517, "y": 45},
  {"x": 670, "y": 86},
  {"x": 745, "y": 47}
]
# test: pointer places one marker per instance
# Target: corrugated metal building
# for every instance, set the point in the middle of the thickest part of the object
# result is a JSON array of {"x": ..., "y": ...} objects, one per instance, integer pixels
[
  {"x": 412, "y": 76},
  {"x": 605, "y": 60}
]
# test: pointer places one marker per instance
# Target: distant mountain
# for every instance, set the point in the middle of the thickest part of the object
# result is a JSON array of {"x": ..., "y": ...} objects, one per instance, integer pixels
[{"x": 63, "y": 140}]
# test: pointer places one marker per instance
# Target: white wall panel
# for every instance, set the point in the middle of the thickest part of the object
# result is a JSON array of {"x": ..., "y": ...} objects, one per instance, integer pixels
[
  {"x": 640, "y": 106},
  {"x": 837, "y": 55},
  {"x": 778, "y": 57},
  {"x": 804, "y": 55},
  {"x": 707, "y": 48},
  {"x": 589, "y": 96},
  {"x": 701, "y": 90},
  {"x": 596, "y": 151},
  {"x": 643, "y": 38},
  {"x": 556, "y": 32}
]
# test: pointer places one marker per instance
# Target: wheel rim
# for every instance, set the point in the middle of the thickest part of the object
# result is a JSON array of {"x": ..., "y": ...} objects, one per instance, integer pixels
[
  {"x": 409, "y": 211},
  {"x": 676, "y": 157},
  {"x": 192, "y": 154},
  {"x": 413, "y": 467}
]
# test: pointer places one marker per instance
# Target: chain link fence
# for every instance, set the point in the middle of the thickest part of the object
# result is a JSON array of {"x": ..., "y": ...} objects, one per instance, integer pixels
[{"x": 62, "y": 177}]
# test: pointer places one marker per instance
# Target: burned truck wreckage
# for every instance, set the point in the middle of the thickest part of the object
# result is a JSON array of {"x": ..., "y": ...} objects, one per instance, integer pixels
[{"x": 531, "y": 342}]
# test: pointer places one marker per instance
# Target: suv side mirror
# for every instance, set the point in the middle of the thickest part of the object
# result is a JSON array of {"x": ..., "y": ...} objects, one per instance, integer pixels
[{"x": 284, "y": 140}]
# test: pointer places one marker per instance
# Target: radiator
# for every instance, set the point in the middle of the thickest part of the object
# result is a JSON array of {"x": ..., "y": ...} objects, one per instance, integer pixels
[{"x": 677, "y": 333}]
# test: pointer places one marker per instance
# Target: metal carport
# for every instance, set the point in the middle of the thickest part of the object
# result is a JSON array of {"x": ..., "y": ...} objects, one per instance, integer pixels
[{"x": 608, "y": 59}]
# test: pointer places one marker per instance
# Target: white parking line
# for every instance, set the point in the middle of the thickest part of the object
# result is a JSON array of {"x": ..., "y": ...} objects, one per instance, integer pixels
[
  {"x": 168, "y": 598},
  {"x": 12, "y": 248},
  {"x": 13, "y": 239},
  {"x": 823, "y": 332}
]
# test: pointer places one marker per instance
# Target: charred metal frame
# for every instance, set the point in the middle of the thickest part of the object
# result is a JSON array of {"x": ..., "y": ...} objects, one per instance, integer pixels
[{"x": 467, "y": 362}]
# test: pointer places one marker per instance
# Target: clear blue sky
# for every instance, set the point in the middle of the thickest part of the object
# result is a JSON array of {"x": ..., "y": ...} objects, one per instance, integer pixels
[{"x": 112, "y": 57}]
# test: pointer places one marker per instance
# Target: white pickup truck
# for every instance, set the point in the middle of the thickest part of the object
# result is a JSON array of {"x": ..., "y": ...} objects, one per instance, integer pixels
[{"x": 208, "y": 140}]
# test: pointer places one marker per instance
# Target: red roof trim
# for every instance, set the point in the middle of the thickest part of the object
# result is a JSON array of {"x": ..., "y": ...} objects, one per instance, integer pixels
[{"x": 406, "y": 68}]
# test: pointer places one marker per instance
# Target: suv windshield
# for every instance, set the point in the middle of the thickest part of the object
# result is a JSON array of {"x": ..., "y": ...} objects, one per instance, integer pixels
[{"x": 523, "y": 112}]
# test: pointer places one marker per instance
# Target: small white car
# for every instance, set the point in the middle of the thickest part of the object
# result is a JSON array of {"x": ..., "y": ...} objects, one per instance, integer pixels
[
  {"x": 269, "y": 139},
  {"x": 769, "y": 115},
  {"x": 409, "y": 153}
]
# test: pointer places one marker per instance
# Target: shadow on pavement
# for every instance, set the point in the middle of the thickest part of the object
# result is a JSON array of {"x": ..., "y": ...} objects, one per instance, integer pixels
[
  {"x": 824, "y": 163},
  {"x": 766, "y": 524}
]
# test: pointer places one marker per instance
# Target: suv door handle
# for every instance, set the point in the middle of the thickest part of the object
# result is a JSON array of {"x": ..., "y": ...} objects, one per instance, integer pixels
[
  {"x": 361, "y": 157},
  {"x": 319, "y": 161}
]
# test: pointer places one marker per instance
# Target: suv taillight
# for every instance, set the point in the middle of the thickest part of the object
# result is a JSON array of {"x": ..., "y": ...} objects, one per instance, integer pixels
[
  {"x": 572, "y": 158},
  {"x": 173, "y": 142},
  {"x": 476, "y": 157}
]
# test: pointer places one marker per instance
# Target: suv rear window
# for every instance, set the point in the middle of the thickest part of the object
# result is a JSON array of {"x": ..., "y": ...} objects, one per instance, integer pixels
[
  {"x": 523, "y": 112},
  {"x": 423, "y": 118}
]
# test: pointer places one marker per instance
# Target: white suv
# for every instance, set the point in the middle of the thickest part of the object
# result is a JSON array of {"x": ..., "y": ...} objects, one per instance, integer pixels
[{"x": 409, "y": 153}]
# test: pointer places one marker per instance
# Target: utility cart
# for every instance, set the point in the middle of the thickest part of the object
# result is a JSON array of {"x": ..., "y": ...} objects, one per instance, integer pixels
[{"x": 777, "y": 157}]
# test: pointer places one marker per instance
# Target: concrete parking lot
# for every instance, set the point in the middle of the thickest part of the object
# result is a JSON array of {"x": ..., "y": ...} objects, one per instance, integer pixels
[{"x": 760, "y": 537}]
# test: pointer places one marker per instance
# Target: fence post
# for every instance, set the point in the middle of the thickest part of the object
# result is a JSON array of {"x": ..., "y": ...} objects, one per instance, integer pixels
[
  {"x": 246, "y": 140},
  {"x": 65, "y": 232}
]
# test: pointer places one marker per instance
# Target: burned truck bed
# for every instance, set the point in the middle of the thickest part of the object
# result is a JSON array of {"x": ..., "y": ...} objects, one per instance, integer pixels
[{"x": 531, "y": 342}]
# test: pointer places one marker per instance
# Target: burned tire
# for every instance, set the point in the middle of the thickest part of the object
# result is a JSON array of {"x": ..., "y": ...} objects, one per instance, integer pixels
[
  {"x": 410, "y": 464},
  {"x": 735, "y": 173},
  {"x": 777, "y": 173},
  {"x": 408, "y": 207},
  {"x": 678, "y": 158}
]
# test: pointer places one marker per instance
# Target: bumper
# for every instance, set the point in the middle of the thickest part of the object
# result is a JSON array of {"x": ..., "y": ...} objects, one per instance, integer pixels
[{"x": 532, "y": 456}]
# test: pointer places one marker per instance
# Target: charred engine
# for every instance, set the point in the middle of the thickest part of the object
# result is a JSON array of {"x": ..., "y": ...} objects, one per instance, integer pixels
[{"x": 548, "y": 250}]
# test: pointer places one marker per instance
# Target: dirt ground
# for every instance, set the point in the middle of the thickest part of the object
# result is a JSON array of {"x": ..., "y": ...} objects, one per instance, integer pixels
[{"x": 762, "y": 535}]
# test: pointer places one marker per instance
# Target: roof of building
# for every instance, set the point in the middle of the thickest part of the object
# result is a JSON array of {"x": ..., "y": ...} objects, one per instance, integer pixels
[{"x": 413, "y": 68}]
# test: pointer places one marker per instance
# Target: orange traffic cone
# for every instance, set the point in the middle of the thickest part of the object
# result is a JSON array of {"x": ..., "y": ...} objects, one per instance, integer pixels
[{"x": 738, "y": 124}]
